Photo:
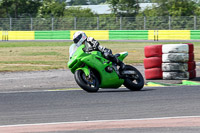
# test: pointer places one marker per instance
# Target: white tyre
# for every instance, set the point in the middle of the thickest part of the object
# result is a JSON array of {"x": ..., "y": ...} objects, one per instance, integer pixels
[
  {"x": 175, "y": 48},
  {"x": 168, "y": 67},
  {"x": 175, "y": 57},
  {"x": 175, "y": 75}
]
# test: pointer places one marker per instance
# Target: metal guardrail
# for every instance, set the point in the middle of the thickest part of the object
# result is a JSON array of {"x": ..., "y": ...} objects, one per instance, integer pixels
[
  {"x": 4, "y": 35},
  {"x": 101, "y": 23}
]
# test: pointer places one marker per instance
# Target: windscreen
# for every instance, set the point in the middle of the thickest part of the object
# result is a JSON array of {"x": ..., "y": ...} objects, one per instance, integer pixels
[{"x": 72, "y": 50}]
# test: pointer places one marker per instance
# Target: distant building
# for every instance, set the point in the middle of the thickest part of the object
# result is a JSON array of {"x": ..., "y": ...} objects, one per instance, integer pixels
[
  {"x": 98, "y": 9},
  {"x": 105, "y": 9}
]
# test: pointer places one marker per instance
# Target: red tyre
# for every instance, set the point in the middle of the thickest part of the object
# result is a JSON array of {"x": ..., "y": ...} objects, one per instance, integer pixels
[
  {"x": 153, "y": 51},
  {"x": 192, "y": 74},
  {"x": 191, "y": 47},
  {"x": 152, "y": 62},
  {"x": 191, "y": 57},
  {"x": 191, "y": 65},
  {"x": 153, "y": 73}
]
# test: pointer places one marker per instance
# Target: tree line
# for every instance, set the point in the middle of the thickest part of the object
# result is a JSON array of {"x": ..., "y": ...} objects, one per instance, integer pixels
[
  {"x": 123, "y": 8},
  {"x": 126, "y": 15}
]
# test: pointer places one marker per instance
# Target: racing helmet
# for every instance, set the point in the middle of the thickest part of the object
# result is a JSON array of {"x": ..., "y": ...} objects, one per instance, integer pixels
[{"x": 79, "y": 37}]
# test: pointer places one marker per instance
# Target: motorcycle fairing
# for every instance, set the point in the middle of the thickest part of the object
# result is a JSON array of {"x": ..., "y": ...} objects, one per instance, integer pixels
[{"x": 108, "y": 80}]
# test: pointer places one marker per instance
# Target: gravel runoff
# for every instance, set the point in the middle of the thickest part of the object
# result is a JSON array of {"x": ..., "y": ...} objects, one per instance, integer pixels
[{"x": 53, "y": 79}]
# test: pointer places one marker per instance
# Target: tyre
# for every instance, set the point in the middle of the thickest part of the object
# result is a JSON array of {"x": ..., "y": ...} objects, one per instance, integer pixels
[
  {"x": 88, "y": 84},
  {"x": 191, "y": 65},
  {"x": 153, "y": 51},
  {"x": 167, "y": 67},
  {"x": 175, "y": 75},
  {"x": 175, "y": 48},
  {"x": 192, "y": 74},
  {"x": 134, "y": 82},
  {"x": 191, "y": 57},
  {"x": 152, "y": 62},
  {"x": 191, "y": 47},
  {"x": 175, "y": 57},
  {"x": 153, "y": 73}
]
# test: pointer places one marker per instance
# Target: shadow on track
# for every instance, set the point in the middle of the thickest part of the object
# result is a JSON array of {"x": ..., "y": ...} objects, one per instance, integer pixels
[{"x": 120, "y": 90}]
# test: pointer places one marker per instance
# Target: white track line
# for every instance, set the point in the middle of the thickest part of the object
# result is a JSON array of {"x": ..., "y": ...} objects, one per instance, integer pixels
[{"x": 119, "y": 120}]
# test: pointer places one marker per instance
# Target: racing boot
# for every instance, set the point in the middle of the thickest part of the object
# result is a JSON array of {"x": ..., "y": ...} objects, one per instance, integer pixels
[
  {"x": 122, "y": 65},
  {"x": 119, "y": 63},
  {"x": 108, "y": 55}
]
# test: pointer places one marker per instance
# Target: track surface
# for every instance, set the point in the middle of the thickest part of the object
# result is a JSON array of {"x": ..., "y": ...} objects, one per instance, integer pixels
[
  {"x": 35, "y": 98},
  {"x": 68, "y": 106}
]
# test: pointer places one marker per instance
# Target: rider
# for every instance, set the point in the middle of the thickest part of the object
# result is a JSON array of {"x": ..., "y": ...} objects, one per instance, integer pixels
[{"x": 91, "y": 44}]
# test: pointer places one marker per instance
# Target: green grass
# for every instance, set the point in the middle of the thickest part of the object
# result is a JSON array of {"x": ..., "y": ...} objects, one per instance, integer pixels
[
  {"x": 41, "y": 53},
  {"x": 33, "y": 56}
]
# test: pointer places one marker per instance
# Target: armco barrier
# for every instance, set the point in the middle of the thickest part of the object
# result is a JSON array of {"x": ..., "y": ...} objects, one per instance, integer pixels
[
  {"x": 195, "y": 34},
  {"x": 4, "y": 36},
  {"x": 155, "y": 35},
  {"x": 128, "y": 35},
  {"x": 97, "y": 34},
  {"x": 174, "y": 35},
  {"x": 48, "y": 35},
  {"x": 1, "y": 35},
  {"x": 21, "y": 35},
  {"x": 169, "y": 35}
]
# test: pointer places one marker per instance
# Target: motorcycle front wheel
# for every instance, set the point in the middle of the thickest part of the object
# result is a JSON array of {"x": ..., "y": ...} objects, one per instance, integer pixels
[
  {"x": 134, "y": 82},
  {"x": 87, "y": 83}
]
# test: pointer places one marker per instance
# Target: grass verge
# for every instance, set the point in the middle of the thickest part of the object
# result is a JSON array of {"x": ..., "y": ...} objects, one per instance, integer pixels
[{"x": 34, "y": 56}]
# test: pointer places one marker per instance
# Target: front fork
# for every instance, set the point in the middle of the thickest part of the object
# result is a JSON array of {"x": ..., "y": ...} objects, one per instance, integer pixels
[
  {"x": 88, "y": 77},
  {"x": 86, "y": 70}
]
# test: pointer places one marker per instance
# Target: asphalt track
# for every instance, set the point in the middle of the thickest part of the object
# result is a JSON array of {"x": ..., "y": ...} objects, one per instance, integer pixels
[
  {"x": 57, "y": 107},
  {"x": 34, "y": 102}
]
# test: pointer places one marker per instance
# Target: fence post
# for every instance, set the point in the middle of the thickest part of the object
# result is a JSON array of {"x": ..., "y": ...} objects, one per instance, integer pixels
[
  {"x": 120, "y": 23},
  {"x": 195, "y": 22},
  {"x": 74, "y": 23},
  {"x": 97, "y": 23},
  {"x": 169, "y": 22},
  {"x": 31, "y": 23},
  {"x": 10, "y": 23},
  {"x": 145, "y": 20},
  {"x": 52, "y": 21}
]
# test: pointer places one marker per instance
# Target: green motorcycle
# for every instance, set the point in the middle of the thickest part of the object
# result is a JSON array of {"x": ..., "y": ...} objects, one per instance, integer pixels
[{"x": 92, "y": 71}]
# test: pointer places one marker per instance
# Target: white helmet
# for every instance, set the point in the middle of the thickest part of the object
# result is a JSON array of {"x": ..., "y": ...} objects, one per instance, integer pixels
[{"x": 79, "y": 37}]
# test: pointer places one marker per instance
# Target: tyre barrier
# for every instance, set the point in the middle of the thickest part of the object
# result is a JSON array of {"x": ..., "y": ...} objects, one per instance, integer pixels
[
  {"x": 175, "y": 57},
  {"x": 175, "y": 48},
  {"x": 191, "y": 57},
  {"x": 191, "y": 65},
  {"x": 152, "y": 62},
  {"x": 175, "y": 75},
  {"x": 153, "y": 51},
  {"x": 191, "y": 47},
  {"x": 153, "y": 73},
  {"x": 170, "y": 61},
  {"x": 170, "y": 67},
  {"x": 192, "y": 74}
]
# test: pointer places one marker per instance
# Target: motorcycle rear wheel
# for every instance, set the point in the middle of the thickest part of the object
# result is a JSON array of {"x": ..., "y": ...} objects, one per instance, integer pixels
[
  {"x": 88, "y": 84},
  {"x": 135, "y": 83}
]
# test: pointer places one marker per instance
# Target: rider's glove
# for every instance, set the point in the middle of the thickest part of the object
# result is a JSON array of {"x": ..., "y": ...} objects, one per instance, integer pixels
[{"x": 94, "y": 43}]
